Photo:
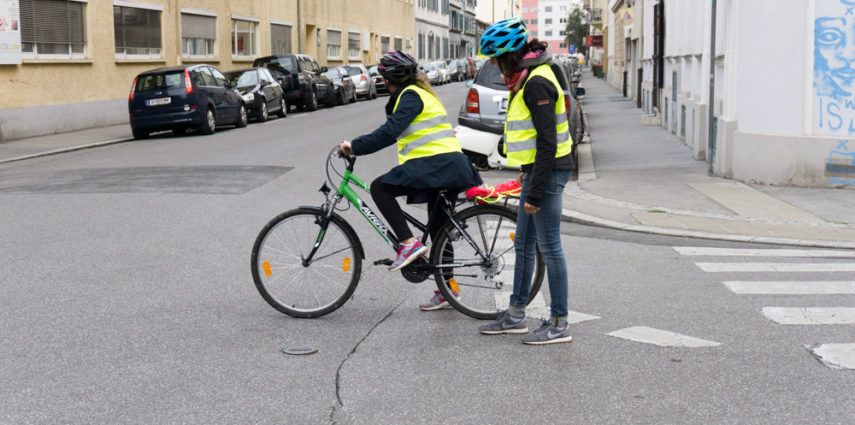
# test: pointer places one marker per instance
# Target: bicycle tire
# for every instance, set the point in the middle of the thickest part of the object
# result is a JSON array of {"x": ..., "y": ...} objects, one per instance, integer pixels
[
  {"x": 486, "y": 225},
  {"x": 297, "y": 290}
]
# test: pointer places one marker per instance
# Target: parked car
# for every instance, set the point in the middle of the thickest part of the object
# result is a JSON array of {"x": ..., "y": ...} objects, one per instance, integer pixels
[
  {"x": 365, "y": 85},
  {"x": 431, "y": 72},
  {"x": 345, "y": 90},
  {"x": 261, "y": 92},
  {"x": 458, "y": 69},
  {"x": 444, "y": 73},
  {"x": 379, "y": 82},
  {"x": 485, "y": 109},
  {"x": 181, "y": 97},
  {"x": 303, "y": 79}
]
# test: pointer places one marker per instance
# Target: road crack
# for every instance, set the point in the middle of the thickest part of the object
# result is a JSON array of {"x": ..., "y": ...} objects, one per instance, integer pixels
[{"x": 339, "y": 404}]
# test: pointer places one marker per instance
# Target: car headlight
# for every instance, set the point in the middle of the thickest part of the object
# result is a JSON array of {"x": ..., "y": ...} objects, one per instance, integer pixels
[{"x": 249, "y": 97}]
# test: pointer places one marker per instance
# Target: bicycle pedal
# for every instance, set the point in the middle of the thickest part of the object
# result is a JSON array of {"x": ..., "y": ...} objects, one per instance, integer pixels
[{"x": 383, "y": 262}]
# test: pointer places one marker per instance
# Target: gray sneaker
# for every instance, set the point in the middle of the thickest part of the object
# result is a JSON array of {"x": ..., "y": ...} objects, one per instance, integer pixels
[
  {"x": 504, "y": 325},
  {"x": 547, "y": 333}
]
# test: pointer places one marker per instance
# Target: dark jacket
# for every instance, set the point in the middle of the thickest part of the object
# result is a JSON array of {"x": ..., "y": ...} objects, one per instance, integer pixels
[
  {"x": 540, "y": 96},
  {"x": 449, "y": 170}
]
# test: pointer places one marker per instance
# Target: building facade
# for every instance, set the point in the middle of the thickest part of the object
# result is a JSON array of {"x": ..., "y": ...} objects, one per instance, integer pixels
[
  {"x": 78, "y": 57},
  {"x": 598, "y": 27},
  {"x": 772, "y": 107},
  {"x": 469, "y": 39},
  {"x": 491, "y": 11},
  {"x": 432, "y": 36}
]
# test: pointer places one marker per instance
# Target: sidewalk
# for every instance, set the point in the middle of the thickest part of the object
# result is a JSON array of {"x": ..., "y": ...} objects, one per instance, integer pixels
[
  {"x": 65, "y": 142},
  {"x": 643, "y": 178}
]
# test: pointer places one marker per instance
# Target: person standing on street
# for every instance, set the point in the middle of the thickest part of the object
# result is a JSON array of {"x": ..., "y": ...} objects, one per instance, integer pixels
[
  {"x": 429, "y": 156},
  {"x": 537, "y": 137}
]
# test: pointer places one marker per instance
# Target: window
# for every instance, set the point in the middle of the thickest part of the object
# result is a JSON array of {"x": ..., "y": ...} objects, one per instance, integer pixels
[
  {"x": 534, "y": 33},
  {"x": 399, "y": 43},
  {"x": 197, "y": 35},
  {"x": 243, "y": 37},
  {"x": 384, "y": 44},
  {"x": 548, "y": 34},
  {"x": 137, "y": 31},
  {"x": 59, "y": 31},
  {"x": 562, "y": 33},
  {"x": 353, "y": 44},
  {"x": 548, "y": 9},
  {"x": 525, "y": 10},
  {"x": 421, "y": 46},
  {"x": 333, "y": 43},
  {"x": 280, "y": 39},
  {"x": 563, "y": 20},
  {"x": 219, "y": 78},
  {"x": 548, "y": 21},
  {"x": 534, "y": 21},
  {"x": 563, "y": 45}
]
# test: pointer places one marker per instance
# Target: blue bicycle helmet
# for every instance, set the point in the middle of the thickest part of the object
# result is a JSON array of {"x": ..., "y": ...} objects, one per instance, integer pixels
[{"x": 507, "y": 35}]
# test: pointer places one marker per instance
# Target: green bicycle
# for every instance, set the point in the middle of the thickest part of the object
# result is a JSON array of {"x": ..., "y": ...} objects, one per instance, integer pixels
[{"x": 306, "y": 262}]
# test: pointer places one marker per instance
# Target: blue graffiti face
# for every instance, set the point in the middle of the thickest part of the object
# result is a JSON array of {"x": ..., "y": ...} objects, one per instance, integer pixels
[{"x": 834, "y": 51}]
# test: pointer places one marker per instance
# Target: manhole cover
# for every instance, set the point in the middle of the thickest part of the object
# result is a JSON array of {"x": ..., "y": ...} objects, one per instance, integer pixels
[{"x": 300, "y": 351}]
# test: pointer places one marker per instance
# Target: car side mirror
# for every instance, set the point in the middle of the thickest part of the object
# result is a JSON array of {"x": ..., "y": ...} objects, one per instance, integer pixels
[
  {"x": 469, "y": 83},
  {"x": 324, "y": 69},
  {"x": 579, "y": 91}
]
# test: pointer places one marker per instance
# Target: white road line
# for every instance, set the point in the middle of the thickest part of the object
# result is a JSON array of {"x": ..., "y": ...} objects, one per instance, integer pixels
[
  {"x": 537, "y": 308},
  {"x": 810, "y": 315},
  {"x": 835, "y": 356},
  {"x": 776, "y": 267},
  {"x": 728, "y": 252},
  {"x": 662, "y": 338},
  {"x": 790, "y": 287}
]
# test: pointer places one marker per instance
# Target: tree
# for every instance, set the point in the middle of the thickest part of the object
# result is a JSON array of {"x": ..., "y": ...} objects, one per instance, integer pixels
[{"x": 577, "y": 29}]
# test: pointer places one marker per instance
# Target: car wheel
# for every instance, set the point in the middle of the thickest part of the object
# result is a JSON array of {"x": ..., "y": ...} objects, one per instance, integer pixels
[
  {"x": 242, "y": 117},
  {"x": 210, "y": 123},
  {"x": 312, "y": 104},
  {"x": 374, "y": 93},
  {"x": 353, "y": 99},
  {"x": 139, "y": 134},
  {"x": 339, "y": 97},
  {"x": 262, "y": 111},
  {"x": 283, "y": 108}
]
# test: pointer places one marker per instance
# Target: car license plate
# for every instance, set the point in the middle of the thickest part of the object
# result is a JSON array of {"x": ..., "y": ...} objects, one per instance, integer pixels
[
  {"x": 504, "y": 105},
  {"x": 161, "y": 101}
]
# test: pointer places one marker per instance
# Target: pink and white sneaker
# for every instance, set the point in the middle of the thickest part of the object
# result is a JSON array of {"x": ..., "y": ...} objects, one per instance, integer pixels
[
  {"x": 435, "y": 303},
  {"x": 407, "y": 254}
]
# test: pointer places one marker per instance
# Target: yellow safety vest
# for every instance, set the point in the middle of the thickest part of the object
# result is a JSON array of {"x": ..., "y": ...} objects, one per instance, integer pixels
[
  {"x": 430, "y": 132},
  {"x": 520, "y": 135}
]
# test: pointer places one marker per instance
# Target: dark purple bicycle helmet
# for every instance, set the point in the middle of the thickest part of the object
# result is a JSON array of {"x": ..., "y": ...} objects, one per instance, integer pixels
[{"x": 397, "y": 66}]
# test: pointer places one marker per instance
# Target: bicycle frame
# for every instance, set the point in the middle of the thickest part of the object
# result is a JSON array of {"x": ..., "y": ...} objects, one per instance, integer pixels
[{"x": 345, "y": 191}]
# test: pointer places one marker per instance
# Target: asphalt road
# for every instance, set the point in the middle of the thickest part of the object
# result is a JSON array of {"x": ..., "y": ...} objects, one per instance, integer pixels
[{"x": 127, "y": 298}]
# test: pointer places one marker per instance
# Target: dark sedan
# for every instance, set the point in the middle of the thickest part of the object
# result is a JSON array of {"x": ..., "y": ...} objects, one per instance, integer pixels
[
  {"x": 345, "y": 90},
  {"x": 260, "y": 92},
  {"x": 181, "y": 97}
]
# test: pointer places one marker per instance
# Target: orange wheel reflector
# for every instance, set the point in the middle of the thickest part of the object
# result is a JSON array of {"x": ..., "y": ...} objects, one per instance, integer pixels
[
  {"x": 453, "y": 284},
  {"x": 346, "y": 264},
  {"x": 267, "y": 270},
  {"x": 512, "y": 236}
]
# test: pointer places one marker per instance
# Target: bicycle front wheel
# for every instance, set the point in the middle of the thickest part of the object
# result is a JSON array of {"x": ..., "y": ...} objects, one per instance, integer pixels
[
  {"x": 482, "y": 278},
  {"x": 299, "y": 288}
]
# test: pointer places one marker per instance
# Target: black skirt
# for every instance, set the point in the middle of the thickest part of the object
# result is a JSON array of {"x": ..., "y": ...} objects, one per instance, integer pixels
[{"x": 444, "y": 171}]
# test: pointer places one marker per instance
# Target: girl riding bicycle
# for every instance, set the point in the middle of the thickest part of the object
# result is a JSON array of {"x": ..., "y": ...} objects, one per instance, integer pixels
[{"x": 429, "y": 156}]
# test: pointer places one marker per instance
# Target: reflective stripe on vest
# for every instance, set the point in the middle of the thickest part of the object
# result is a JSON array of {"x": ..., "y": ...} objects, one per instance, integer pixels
[
  {"x": 430, "y": 133},
  {"x": 520, "y": 133}
]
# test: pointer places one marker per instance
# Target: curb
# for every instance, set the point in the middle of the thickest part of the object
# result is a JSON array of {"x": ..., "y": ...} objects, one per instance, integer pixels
[
  {"x": 69, "y": 149},
  {"x": 580, "y": 218}
]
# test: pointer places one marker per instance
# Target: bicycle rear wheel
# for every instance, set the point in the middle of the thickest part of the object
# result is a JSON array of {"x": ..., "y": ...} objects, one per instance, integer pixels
[
  {"x": 484, "y": 285},
  {"x": 314, "y": 289}
]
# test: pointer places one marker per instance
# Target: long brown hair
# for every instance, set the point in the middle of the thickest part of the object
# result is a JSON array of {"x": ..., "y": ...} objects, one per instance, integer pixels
[
  {"x": 420, "y": 81},
  {"x": 508, "y": 62}
]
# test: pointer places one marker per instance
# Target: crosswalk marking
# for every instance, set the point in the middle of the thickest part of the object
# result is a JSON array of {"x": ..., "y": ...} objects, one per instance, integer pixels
[
  {"x": 810, "y": 315},
  {"x": 538, "y": 309},
  {"x": 733, "y": 252},
  {"x": 835, "y": 356},
  {"x": 776, "y": 267},
  {"x": 661, "y": 338},
  {"x": 790, "y": 287}
]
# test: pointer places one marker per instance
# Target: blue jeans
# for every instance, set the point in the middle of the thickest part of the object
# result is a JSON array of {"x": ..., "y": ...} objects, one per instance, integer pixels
[{"x": 542, "y": 228}]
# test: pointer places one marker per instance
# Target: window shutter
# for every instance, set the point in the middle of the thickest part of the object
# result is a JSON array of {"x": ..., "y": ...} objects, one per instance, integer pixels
[
  {"x": 280, "y": 38},
  {"x": 198, "y": 26},
  {"x": 137, "y": 27},
  {"x": 52, "y": 22}
]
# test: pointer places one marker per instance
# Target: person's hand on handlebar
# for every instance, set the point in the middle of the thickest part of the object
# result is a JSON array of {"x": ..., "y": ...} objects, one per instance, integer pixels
[{"x": 345, "y": 149}]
